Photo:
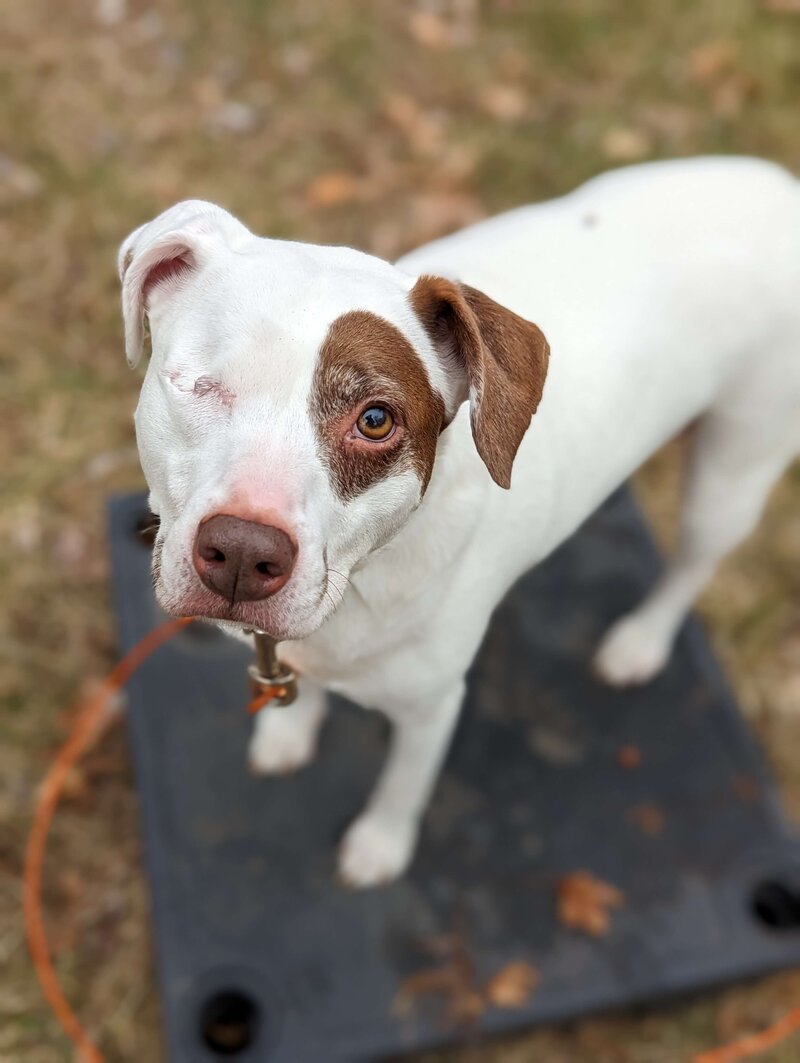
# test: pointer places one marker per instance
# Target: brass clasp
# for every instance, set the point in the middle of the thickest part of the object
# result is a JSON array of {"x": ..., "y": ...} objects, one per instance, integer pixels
[{"x": 272, "y": 681}]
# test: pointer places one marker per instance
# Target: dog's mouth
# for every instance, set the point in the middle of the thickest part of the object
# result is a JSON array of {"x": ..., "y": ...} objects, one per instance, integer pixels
[{"x": 281, "y": 624}]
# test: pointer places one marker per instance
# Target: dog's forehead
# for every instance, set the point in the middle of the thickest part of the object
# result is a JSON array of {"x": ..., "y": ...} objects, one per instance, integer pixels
[{"x": 268, "y": 311}]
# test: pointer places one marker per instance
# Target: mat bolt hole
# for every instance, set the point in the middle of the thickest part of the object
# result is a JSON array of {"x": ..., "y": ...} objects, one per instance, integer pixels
[
  {"x": 229, "y": 1021},
  {"x": 776, "y": 905}
]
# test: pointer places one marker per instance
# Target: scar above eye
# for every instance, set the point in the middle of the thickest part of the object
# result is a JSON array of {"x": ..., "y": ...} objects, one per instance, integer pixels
[
  {"x": 202, "y": 387},
  {"x": 207, "y": 386}
]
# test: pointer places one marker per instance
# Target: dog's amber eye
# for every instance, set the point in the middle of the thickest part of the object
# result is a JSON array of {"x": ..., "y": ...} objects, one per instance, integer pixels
[{"x": 375, "y": 423}]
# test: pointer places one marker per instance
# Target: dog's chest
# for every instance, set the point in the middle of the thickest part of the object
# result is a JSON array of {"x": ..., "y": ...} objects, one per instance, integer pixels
[{"x": 379, "y": 646}]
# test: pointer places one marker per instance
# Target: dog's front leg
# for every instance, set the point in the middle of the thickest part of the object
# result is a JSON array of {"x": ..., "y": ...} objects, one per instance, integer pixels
[
  {"x": 285, "y": 739},
  {"x": 378, "y": 846}
]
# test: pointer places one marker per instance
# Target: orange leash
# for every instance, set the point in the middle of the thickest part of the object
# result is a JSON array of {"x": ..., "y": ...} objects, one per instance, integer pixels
[
  {"x": 83, "y": 730},
  {"x": 270, "y": 692},
  {"x": 755, "y": 1043},
  {"x": 85, "y": 727}
]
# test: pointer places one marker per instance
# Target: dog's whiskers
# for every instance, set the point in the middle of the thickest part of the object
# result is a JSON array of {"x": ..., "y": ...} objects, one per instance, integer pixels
[
  {"x": 329, "y": 596},
  {"x": 353, "y": 587},
  {"x": 340, "y": 589},
  {"x": 336, "y": 572},
  {"x": 334, "y": 601}
]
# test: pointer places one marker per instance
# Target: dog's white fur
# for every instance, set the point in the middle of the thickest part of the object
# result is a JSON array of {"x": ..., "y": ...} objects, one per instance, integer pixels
[{"x": 668, "y": 292}]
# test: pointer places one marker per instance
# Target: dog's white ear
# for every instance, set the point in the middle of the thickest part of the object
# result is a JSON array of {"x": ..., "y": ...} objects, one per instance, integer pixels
[
  {"x": 493, "y": 357},
  {"x": 163, "y": 254}
]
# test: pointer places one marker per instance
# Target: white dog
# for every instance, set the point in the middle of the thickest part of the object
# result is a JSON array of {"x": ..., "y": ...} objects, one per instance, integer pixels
[{"x": 329, "y": 439}]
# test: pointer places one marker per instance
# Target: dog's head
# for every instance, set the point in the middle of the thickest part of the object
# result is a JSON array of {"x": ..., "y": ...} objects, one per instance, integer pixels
[{"x": 289, "y": 420}]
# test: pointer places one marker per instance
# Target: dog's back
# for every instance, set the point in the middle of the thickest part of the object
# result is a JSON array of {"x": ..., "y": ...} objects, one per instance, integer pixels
[{"x": 664, "y": 289}]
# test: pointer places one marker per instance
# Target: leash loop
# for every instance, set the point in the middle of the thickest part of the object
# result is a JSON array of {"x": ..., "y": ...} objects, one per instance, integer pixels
[{"x": 270, "y": 679}]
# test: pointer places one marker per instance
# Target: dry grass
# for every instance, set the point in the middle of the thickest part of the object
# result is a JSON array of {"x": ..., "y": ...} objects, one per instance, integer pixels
[{"x": 378, "y": 124}]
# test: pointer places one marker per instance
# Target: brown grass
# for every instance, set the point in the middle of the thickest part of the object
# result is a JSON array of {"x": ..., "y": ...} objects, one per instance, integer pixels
[{"x": 382, "y": 125}]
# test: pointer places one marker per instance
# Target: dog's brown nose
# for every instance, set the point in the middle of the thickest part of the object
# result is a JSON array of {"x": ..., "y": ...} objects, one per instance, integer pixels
[{"x": 241, "y": 560}]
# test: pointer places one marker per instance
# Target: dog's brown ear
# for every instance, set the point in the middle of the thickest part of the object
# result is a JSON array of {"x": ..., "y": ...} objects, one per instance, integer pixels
[
  {"x": 496, "y": 358},
  {"x": 163, "y": 253}
]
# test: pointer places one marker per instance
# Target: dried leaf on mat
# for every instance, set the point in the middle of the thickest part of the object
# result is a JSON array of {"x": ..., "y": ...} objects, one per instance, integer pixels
[{"x": 584, "y": 902}]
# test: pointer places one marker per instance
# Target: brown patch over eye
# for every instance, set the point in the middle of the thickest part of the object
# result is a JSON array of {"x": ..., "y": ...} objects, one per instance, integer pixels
[{"x": 373, "y": 405}]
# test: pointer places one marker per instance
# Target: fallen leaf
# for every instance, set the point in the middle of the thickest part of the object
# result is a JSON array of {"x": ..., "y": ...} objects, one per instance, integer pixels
[
  {"x": 709, "y": 61},
  {"x": 506, "y": 103},
  {"x": 512, "y": 986},
  {"x": 584, "y": 902},
  {"x": 429, "y": 30},
  {"x": 456, "y": 164},
  {"x": 626, "y": 145},
  {"x": 464, "y": 1002},
  {"x": 629, "y": 757},
  {"x": 428, "y": 982},
  {"x": 466, "y": 1007},
  {"x": 453, "y": 980},
  {"x": 402, "y": 110},
  {"x": 423, "y": 131},
  {"x": 332, "y": 189}
]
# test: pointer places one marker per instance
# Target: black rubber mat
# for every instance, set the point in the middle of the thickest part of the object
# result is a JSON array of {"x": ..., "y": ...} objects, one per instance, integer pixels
[{"x": 659, "y": 791}]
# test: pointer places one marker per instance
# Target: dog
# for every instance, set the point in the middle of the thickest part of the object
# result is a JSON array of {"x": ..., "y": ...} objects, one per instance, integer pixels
[{"x": 329, "y": 439}]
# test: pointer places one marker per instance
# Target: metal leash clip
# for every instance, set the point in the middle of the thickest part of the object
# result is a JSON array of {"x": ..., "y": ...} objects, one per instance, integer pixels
[{"x": 272, "y": 682}]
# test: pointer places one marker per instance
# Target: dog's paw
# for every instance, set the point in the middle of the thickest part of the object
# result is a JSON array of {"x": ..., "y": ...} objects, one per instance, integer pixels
[
  {"x": 282, "y": 742},
  {"x": 374, "y": 851},
  {"x": 631, "y": 652}
]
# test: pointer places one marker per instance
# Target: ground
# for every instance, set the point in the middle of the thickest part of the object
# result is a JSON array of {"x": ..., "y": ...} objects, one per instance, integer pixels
[{"x": 382, "y": 125}]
